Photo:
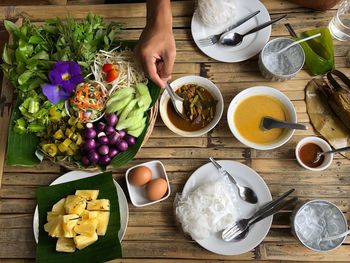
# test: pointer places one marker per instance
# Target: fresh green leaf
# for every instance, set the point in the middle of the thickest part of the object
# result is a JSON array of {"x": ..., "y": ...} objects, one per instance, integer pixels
[
  {"x": 35, "y": 40},
  {"x": 6, "y": 56},
  {"x": 10, "y": 26},
  {"x": 42, "y": 55},
  {"x": 24, "y": 77}
]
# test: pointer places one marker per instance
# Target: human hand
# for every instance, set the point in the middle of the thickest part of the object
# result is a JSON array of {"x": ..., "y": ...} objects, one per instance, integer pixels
[{"x": 156, "y": 49}]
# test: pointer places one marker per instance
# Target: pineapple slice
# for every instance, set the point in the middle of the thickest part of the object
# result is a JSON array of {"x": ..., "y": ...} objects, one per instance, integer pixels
[
  {"x": 98, "y": 205},
  {"x": 102, "y": 218},
  {"x": 83, "y": 241},
  {"x": 56, "y": 227},
  {"x": 86, "y": 227},
  {"x": 75, "y": 204},
  {"x": 51, "y": 215},
  {"x": 89, "y": 214},
  {"x": 69, "y": 222},
  {"x": 65, "y": 245},
  {"x": 87, "y": 194},
  {"x": 58, "y": 208}
]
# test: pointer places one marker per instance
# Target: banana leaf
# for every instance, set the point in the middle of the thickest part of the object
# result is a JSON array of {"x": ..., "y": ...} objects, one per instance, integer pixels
[
  {"x": 20, "y": 147},
  {"x": 105, "y": 248}
]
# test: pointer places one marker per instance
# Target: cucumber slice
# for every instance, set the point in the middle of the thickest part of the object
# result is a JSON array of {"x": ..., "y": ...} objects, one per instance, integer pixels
[
  {"x": 127, "y": 109},
  {"x": 138, "y": 124},
  {"x": 144, "y": 96},
  {"x": 129, "y": 122},
  {"x": 119, "y": 105},
  {"x": 123, "y": 93},
  {"x": 137, "y": 132}
]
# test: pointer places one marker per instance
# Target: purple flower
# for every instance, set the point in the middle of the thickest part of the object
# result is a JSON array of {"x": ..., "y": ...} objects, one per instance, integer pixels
[
  {"x": 55, "y": 93},
  {"x": 64, "y": 76},
  {"x": 67, "y": 74}
]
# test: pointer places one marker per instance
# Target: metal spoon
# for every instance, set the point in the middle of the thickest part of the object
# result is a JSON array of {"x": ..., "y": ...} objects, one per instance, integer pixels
[
  {"x": 235, "y": 39},
  {"x": 177, "y": 101},
  {"x": 245, "y": 193},
  {"x": 268, "y": 123},
  {"x": 336, "y": 236},
  {"x": 320, "y": 154}
]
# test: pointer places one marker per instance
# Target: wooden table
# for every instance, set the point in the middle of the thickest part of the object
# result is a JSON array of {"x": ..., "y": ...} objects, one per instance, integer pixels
[{"x": 152, "y": 235}]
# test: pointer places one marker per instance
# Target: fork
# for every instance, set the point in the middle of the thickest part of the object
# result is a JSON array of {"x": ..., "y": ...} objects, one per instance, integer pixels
[
  {"x": 243, "y": 224},
  {"x": 213, "y": 39}
]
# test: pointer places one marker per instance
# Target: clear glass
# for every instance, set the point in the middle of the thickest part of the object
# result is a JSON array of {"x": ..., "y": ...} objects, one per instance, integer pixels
[{"x": 340, "y": 23}]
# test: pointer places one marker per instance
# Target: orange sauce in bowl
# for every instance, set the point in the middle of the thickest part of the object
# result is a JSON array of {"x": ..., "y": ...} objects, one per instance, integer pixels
[{"x": 249, "y": 113}]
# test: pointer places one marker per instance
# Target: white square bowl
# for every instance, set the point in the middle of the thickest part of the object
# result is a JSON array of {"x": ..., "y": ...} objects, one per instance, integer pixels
[{"x": 137, "y": 193}]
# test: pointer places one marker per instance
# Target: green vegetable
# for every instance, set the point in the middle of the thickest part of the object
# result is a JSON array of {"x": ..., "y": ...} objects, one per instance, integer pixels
[
  {"x": 21, "y": 126},
  {"x": 27, "y": 62}
]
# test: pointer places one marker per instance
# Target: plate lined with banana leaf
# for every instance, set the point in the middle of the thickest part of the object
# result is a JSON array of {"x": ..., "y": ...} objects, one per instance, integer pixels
[
  {"x": 83, "y": 100},
  {"x": 103, "y": 196}
]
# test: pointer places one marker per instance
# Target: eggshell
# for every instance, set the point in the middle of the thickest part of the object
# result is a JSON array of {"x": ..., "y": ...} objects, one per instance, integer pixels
[
  {"x": 140, "y": 176},
  {"x": 156, "y": 189}
]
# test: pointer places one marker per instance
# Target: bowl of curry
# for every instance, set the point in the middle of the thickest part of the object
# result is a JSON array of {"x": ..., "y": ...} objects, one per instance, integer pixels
[
  {"x": 247, "y": 110},
  {"x": 203, "y": 106}
]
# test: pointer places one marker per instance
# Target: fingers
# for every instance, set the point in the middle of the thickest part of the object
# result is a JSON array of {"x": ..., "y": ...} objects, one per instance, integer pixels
[
  {"x": 167, "y": 64},
  {"x": 151, "y": 70}
]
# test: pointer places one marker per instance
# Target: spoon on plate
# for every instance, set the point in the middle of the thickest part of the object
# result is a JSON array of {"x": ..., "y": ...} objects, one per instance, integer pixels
[
  {"x": 233, "y": 40},
  {"x": 320, "y": 154},
  {"x": 268, "y": 123},
  {"x": 244, "y": 192},
  {"x": 177, "y": 101}
]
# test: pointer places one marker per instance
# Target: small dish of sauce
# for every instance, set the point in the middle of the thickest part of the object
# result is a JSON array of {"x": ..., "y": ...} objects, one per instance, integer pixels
[{"x": 308, "y": 154}]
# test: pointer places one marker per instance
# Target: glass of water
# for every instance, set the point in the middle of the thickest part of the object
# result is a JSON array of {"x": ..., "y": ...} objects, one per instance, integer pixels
[{"x": 340, "y": 23}]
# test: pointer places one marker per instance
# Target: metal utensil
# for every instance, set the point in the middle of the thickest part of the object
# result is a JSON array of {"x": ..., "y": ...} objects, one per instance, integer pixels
[
  {"x": 336, "y": 236},
  {"x": 213, "y": 39},
  {"x": 245, "y": 193},
  {"x": 320, "y": 154},
  {"x": 297, "y": 42},
  {"x": 237, "y": 230},
  {"x": 268, "y": 123},
  {"x": 177, "y": 101},
  {"x": 270, "y": 212},
  {"x": 235, "y": 39}
]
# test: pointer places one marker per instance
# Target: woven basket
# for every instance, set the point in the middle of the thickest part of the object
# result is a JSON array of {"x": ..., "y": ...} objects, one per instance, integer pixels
[{"x": 75, "y": 166}]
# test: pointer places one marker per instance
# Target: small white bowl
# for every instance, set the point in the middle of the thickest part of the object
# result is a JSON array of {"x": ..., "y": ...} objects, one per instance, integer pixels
[
  {"x": 209, "y": 86},
  {"x": 261, "y": 90},
  {"x": 328, "y": 158},
  {"x": 137, "y": 193}
]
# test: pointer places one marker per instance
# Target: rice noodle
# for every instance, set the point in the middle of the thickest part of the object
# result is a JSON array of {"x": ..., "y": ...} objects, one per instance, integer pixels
[
  {"x": 129, "y": 71},
  {"x": 206, "y": 210},
  {"x": 214, "y": 13}
]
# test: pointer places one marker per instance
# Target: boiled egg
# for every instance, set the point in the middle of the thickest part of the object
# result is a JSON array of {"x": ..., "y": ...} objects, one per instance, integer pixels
[
  {"x": 140, "y": 176},
  {"x": 156, "y": 189}
]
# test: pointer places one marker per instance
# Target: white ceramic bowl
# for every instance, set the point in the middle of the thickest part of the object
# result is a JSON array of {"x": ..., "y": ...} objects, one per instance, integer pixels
[
  {"x": 261, "y": 90},
  {"x": 137, "y": 193},
  {"x": 209, "y": 86},
  {"x": 328, "y": 158}
]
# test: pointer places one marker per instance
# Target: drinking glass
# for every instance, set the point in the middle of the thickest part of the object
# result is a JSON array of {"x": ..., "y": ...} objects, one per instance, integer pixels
[{"x": 340, "y": 23}]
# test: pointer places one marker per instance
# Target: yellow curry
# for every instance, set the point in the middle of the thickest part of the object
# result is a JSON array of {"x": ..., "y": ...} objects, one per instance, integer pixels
[{"x": 249, "y": 114}]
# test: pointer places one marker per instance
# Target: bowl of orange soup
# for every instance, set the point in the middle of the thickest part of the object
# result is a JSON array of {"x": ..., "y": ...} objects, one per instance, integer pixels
[{"x": 247, "y": 110}]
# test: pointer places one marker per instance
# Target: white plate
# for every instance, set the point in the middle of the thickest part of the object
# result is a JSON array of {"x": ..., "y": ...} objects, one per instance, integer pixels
[
  {"x": 251, "y": 44},
  {"x": 76, "y": 175},
  {"x": 245, "y": 176}
]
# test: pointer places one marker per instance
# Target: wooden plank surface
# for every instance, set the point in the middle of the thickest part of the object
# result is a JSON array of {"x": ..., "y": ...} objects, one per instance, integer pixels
[{"x": 152, "y": 234}]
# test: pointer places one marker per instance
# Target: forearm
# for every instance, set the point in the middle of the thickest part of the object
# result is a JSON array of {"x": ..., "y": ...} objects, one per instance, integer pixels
[{"x": 159, "y": 13}]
